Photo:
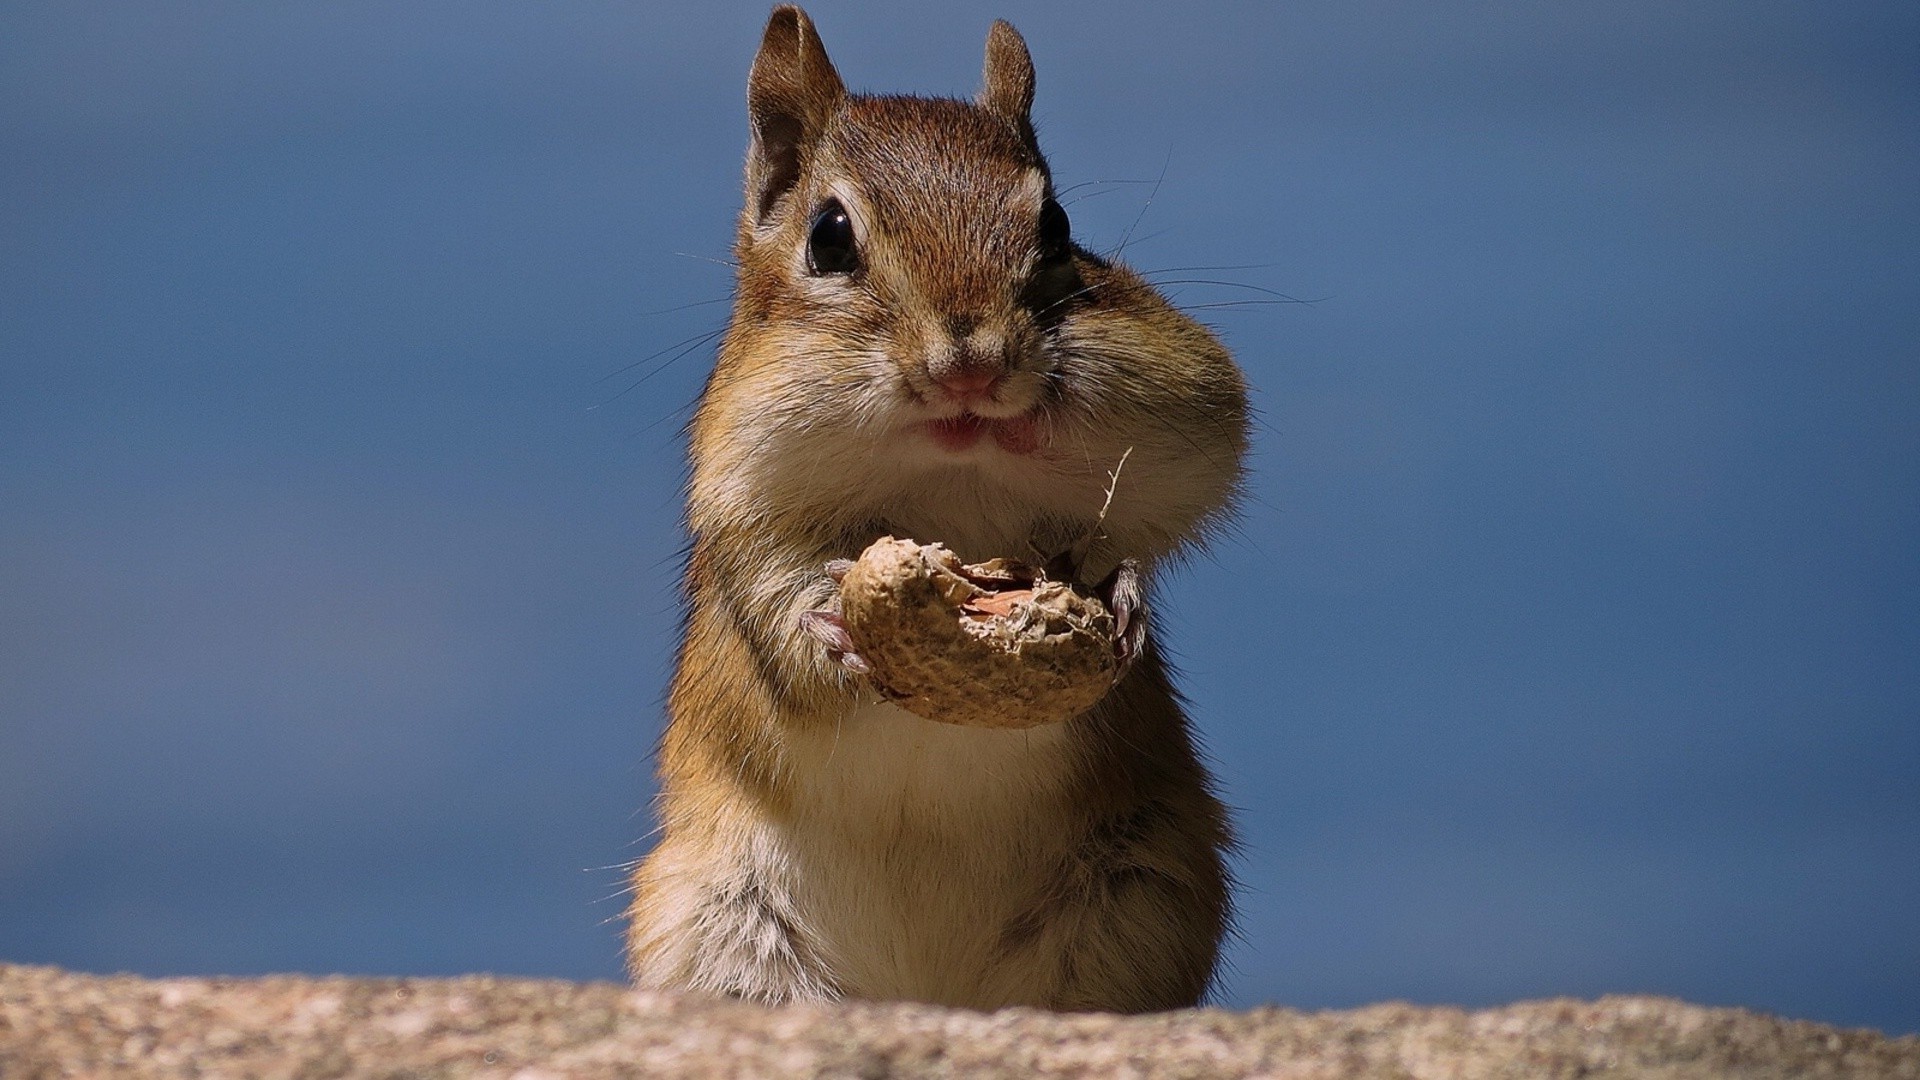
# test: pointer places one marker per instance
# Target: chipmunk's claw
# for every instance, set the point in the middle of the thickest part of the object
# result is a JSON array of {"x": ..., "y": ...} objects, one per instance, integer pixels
[
  {"x": 829, "y": 629},
  {"x": 1126, "y": 597}
]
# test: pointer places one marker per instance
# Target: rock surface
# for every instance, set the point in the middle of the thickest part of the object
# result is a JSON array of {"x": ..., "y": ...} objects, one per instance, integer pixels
[{"x": 58, "y": 1024}]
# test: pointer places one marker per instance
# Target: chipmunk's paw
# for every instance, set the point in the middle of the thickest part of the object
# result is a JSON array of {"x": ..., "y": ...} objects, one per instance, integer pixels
[
  {"x": 1126, "y": 597},
  {"x": 825, "y": 626}
]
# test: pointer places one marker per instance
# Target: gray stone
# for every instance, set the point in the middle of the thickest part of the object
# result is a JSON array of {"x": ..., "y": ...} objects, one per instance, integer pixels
[{"x": 58, "y": 1024}]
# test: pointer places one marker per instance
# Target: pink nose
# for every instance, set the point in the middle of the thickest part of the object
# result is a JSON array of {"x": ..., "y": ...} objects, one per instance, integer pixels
[{"x": 967, "y": 382}]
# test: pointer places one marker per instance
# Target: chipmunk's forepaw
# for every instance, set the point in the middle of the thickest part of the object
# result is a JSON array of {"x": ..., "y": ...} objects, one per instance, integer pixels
[
  {"x": 1126, "y": 597},
  {"x": 830, "y": 630}
]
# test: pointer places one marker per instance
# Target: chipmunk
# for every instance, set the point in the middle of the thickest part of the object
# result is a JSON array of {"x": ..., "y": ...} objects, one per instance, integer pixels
[{"x": 918, "y": 348}]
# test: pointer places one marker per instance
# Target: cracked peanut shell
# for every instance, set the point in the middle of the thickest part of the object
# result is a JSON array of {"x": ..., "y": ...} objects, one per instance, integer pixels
[{"x": 993, "y": 644}]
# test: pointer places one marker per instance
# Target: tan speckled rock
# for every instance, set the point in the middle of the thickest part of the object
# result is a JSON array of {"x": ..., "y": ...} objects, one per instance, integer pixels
[
  {"x": 993, "y": 644},
  {"x": 56, "y": 1024}
]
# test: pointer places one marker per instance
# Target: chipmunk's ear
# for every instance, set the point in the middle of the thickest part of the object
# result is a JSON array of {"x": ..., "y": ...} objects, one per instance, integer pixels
[
  {"x": 1006, "y": 85},
  {"x": 792, "y": 92}
]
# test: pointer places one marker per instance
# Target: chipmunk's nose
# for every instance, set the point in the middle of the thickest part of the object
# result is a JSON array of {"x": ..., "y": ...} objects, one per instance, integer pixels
[
  {"x": 965, "y": 383},
  {"x": 969, "y": 367}
]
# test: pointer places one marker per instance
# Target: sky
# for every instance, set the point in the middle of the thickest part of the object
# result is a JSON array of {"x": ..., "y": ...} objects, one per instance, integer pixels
[{"x": 1568, "y": 642}]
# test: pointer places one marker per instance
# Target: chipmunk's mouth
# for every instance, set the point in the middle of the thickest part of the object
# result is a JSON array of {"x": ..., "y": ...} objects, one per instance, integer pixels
[{"x": 1014, "y": 434}]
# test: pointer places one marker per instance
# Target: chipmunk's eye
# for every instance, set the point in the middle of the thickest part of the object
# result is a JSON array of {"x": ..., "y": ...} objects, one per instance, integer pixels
[
  {"x": 1056, "y": 232},
  {"x": 1056, "y": 280},
  {"x": 830, "y": 247}
]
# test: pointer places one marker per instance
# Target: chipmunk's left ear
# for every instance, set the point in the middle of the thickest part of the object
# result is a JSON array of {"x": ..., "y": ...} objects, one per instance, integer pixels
[
  {"x": 792, "y": 93},
  {"x": 1006, "y": 85}
]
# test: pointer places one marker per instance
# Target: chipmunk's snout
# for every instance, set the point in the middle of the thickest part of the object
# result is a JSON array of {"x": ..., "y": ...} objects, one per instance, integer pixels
[
  {"x": 972, "y": 362},
  {"x": 966, "y": 383}
]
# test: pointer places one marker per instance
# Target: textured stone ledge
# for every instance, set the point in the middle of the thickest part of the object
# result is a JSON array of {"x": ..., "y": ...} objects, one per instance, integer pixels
[{"x": 58, "y": 1024}]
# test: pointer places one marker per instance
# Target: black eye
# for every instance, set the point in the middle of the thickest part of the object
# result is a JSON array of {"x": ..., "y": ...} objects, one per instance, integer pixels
[
  {"x": 830, "y": 248},
  {"x": 1056, "y": 280},
  {"x": 1056, "y": 232}
]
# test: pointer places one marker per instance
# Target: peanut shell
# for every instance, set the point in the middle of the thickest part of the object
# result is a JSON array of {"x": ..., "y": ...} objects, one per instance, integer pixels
[{"x": 993, "y": 644}]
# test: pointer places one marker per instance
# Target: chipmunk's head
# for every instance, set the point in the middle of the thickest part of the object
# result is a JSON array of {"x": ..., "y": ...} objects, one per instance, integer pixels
[
  {"x": 923, "y": 230},
  {"x": 913, "y": 316}
]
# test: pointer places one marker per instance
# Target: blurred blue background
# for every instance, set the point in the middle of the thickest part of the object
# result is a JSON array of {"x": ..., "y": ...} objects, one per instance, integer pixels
[{"x": 1569, "y": 643}]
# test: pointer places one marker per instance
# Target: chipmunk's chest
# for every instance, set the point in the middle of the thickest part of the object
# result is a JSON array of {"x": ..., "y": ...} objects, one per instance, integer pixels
[
  {"x": 981, "y": 517},
  {"x": 913, "y": 846},
  {"x": 882, "y": 770}
]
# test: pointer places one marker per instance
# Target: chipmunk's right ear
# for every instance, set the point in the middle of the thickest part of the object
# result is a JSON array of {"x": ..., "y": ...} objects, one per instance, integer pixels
[
  {"x": 792, "y": 92},
  {"x": 1006, "y": 82}
]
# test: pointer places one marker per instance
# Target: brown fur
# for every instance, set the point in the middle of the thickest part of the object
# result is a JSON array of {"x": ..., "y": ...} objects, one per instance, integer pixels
[{"x": 815, "y": 842}]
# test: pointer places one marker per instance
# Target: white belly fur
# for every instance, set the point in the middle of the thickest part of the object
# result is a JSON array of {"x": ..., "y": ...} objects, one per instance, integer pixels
[{"x": 911, "y": 845}]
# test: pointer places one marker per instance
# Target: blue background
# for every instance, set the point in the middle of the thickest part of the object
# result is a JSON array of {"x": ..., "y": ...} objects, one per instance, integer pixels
[{"x": 1569, "y": 642}]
